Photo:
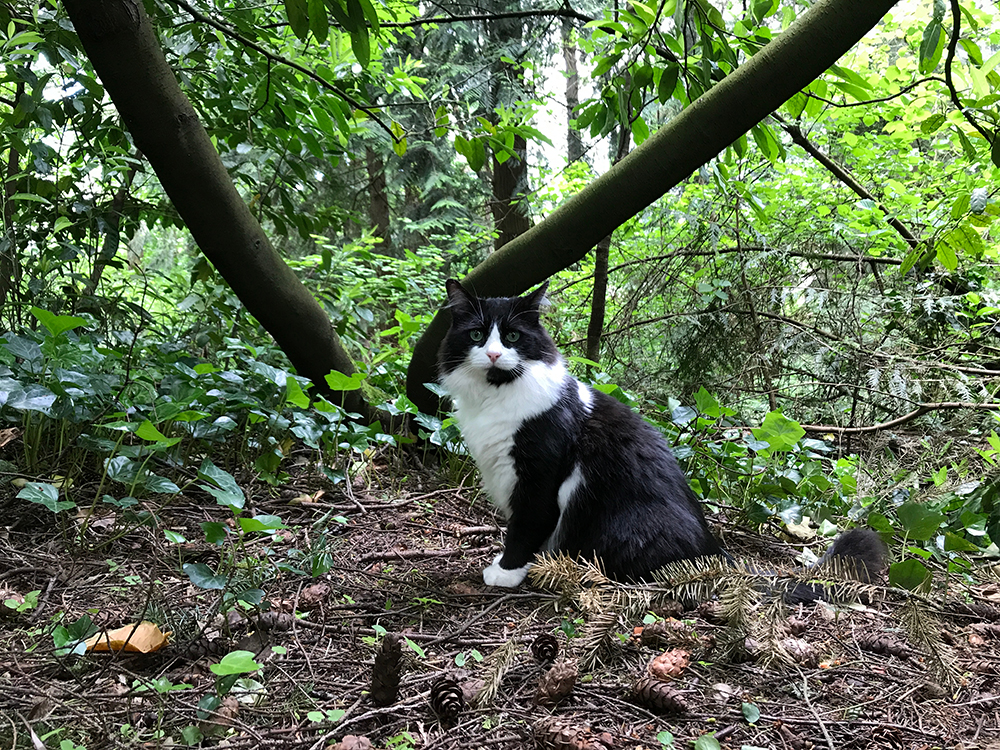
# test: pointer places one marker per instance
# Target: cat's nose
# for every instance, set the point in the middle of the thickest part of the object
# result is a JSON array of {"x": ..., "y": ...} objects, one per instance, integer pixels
[{"x": 494, "y": 356}]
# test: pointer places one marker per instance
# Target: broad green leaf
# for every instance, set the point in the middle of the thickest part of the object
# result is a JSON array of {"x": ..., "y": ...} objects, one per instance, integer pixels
[
  {"x": 707, "y": 742},
  {"x": 399, "y": 139},
  {"x": 57, "y": 324},
  {"x": 909, "y": 574},
  {"x": 221, "y": 485},
  {"x": 236, "y": 662},
  {"x": 318, "y": 21},
  {"x": 147, "y": 431},
  {"x": 751, "y": 713},
  {"x": 294, "y": 394},
  {"x": 780, "y": 432},
  {"x": 338, "y": 381},
  {"x": 61, "y": 223},
  {"x": 946, "y": 255},
  {"x": 918, "y": 521},
  {"x": 298, "y": 17},
  {"x": 46, "y": 495},
  {"x": 707, "y": 403},
  {"x": 204, "y": 577},
  {"x": 931, "y": 46},
  {"x": 360, "y": 42},
  {"x": 261, "y": 523}
]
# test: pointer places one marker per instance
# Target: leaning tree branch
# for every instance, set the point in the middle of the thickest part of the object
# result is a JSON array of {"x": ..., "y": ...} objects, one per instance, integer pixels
[
  {"x": 918, "y": 412},
  {"x": 236, "y": 36}
]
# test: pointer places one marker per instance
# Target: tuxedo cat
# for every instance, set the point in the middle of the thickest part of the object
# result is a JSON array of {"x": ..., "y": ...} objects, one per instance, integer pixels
[{"x": 571, "y": 468}]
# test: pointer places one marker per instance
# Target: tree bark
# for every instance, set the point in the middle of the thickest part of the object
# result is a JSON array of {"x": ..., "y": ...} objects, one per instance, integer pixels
[
  {"x": 9, "y": 261},
  {"x": 813, "y": 43},
  {"x": 599, "y": 299},
  {"x": 378, "y": 198},
  {"x": 574, "y": 143},
  {"x": 112, "y": 236},
  {"x": 122, "y": 46}
]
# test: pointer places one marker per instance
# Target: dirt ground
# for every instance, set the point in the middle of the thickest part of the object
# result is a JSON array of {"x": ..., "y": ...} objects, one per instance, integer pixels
[{"x": 404, "y": 557}]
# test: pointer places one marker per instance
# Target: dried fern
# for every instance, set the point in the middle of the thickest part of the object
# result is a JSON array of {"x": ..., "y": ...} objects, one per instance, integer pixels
[
  {"x": 924, "y": 630},
  {"x": 500, "y": 663}
]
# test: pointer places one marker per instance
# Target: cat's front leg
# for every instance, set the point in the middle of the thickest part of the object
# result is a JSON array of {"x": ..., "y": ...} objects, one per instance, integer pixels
[
  {"x": 497, "y": 575},
  {"x": 526, "y": 533}
]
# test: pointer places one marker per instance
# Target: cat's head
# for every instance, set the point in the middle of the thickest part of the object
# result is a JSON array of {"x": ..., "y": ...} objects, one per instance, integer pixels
[{"x": 494, "y": 338}]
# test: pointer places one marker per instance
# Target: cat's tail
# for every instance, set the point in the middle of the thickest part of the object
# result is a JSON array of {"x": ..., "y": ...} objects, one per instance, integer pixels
[{"x": 858, "y": 554}]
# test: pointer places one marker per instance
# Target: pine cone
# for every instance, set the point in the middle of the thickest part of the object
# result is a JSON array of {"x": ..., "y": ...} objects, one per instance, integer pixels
[
  {"x": 387, "y": 670},
  {"x": 659, "y": 695},
  {"x": 554, "y": 733},
  {"x": 353, "y": 742},
  {"x": 545, "y": 647},
  {"x": 556, "y": 684},
  {"x": 446, "y": 699},
  {"x": 796, "y": 626},
  {"x": 800, "y": 651},
  {"x": 883, "y": 644}
]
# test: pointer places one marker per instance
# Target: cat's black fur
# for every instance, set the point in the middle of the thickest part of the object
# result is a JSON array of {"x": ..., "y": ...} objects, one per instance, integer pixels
[{"x": 572, "y": 468}]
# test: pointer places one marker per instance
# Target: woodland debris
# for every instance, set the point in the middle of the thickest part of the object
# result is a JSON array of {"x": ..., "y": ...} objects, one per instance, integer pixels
[
  {"x": 313, "y": 597},
  {"x": 387, "y": 671},
  {"x": 276, "y": 621},
  {"x": 659, "y": 695},
  {"x": 558, "y": 733},
  {"x": 989, "y": 630},
  {"x": 671, "y": 632},
  {"x": 972, "y": 609},
  {"x": 545, "y": 647},
  {"x": 796, "y": 626},
  {"x": 447, "y": 699},
  {"x": 202, "y": 647},
  {"x": 669, "y": 664},
  {"x": 557, "y": 683}
]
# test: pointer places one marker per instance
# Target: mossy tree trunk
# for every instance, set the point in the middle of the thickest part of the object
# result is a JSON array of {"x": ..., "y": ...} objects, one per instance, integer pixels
[
  {"x": 812, "y": 44},
  {"x": 120, "y": 42}
]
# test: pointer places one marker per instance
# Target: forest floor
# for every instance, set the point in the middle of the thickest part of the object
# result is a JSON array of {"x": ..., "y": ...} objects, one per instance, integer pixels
[{"x": 405, "y": 558}]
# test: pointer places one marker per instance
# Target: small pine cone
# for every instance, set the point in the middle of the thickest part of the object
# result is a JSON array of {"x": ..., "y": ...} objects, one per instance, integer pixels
[
  {"x": 796, "y": 626},
  {"x": 555, "y": 733},
  {"x": 670, "y": 632},
  {"x": 974, "y": 609},
  {"x": 659, "y": 695},
  {"x": 387, "y": 671},
  {"x": 447, "y": 699},
  {"x": 545, "y": 647},
  {"x": 800, "y": 651},
  {"x": 880, "y": 643},
  {"x": 982, "y": 666},
  {"x": 711, "y": 611},
  {"x": 277, "y": 621},
  {"x": 556, "y": 684}
]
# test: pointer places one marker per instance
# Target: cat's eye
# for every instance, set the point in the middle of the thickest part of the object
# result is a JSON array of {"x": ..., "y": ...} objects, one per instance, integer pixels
[
  {"x": 512, "y": 336},
  {"x": 476, "y": 335}
]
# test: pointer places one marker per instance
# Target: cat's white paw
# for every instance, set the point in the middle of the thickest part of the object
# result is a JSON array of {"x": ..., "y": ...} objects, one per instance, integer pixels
[{"x": 497, "y": 576}]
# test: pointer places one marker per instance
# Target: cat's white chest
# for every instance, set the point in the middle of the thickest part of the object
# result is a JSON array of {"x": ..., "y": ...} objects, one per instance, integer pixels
[{"x": 490, "y": 417}]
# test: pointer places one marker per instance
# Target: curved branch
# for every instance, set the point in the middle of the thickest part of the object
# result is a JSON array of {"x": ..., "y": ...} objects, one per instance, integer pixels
[
  {"x": 918, "y": 412},
  {"x": 881, "y": 99},
  {"x": 201, "y": 18},
  {"x": 956, "y": 29}
]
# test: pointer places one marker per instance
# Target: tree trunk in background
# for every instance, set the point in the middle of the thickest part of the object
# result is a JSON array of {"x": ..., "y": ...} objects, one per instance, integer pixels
[
  {"x": 378, "y": 199},
  {"x": 510, "y": 176},
  {"x": 574, "y": 143},
  {"x": 598, "y": 303},
  {"x": 112, "y": 236},
  {"x": 125, "y": 53},
  {"x": 10, "y": 271},
  {"x": 813, "y": 43}
]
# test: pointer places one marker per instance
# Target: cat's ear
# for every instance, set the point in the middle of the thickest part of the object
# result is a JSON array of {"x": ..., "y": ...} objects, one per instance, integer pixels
[
  {"x": 537, "y": 298},
  {"x": 457, "y": 296}
]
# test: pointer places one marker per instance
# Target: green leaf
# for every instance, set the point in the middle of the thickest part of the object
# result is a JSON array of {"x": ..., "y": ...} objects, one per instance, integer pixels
[
  {"x": 57, "y": 324},
  {"x": 215, "y": 532},
  {"x": 294, "y": 394},
  {"x": 933, "y": 123},
  {"x": 221, "y": 485},
  {"x": 338, "y": 381},
  {"x": 263, "y": 523},
  {"x": 707, "y": 742},
  {"x": 318, "y": 21},
  {"x": 236, "y": 662},
  {"x": 441, "y": 120},
  {"x": 399, "y": 138},
  {"x": 61, "y": 223},
  {"x": 147, "y": 431},
  {"x": 918, "y": 521},
  {"x": 707, "y": 403},
  {"x": 46, "y": 495},
  {"x": 751, "y": 713},
  {"x": 360, "y": 42},
  {"x": 204, "y": 577},
  {"x": 931, "y": 46},
  {"x": 298, "y": 17},
  {"x": 909, "y": 574},
  {"x": 780, "y": 432},
  {"x": 667, "y": 83},
  {"x": 946, "y": 255}
]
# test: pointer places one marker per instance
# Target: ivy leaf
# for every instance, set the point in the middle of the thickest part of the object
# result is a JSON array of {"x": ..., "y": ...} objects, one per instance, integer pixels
[
  {"x": 236, "y": 662},
  {"x": 918, "y": 521},
  {"x": 46, "y": 495},
  {"x": 780, "y": 432},
  {"x": 57, "y": 324},
  {"x": 908, "y": 574},
  {"x": 204, "y": 577}
]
